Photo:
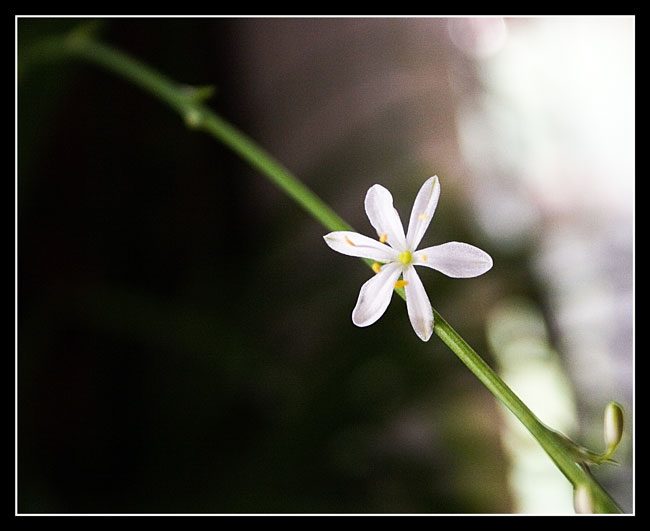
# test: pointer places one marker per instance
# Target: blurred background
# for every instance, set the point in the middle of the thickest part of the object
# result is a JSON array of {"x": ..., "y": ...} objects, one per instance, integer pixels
[{"x": 185, "y": 341}]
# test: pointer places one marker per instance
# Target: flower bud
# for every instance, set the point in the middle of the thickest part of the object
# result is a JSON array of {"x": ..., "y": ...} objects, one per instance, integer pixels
[
  {"x": 582, "y": 500},
  {"x": 613, "y": 424}
]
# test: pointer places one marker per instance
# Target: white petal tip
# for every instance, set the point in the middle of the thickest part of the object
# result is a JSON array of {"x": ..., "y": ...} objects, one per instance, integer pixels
[
  {"x": 425, "y": 335},
  {"x": 422, "y": 327},
  {"x": 329, "y": 239},
  {"x": 487, "y": 263},
  {"x": 424, "y": 338},
  {"x": 360, "y": 324},
  {"x": 432, "y": 181}
]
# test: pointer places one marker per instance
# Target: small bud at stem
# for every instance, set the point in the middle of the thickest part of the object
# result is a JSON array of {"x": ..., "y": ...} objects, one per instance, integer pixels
[
  {"x": 613, "y": 424},
  {"x": 582, "y": 500}
]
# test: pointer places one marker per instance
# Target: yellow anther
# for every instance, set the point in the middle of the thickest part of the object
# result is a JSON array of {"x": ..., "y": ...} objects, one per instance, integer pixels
[
  {"x": 423, "y": 216},
  {"x": 376, "y": 267},
  {"x": 401, "y": 283},
  {"x": 405, "y": 257},
  {"x": 350, "y": 242},
  {"x": 383, "y": 238}
]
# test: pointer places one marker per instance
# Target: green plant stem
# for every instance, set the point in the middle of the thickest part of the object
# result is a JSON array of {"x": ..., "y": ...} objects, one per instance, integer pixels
[
  {"x": 191, "y": 107},
  {"x": 553, "y": 443}
]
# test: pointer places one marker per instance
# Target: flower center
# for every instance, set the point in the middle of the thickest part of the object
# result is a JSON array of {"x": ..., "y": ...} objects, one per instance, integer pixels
[{"x": 405, "y": 257}]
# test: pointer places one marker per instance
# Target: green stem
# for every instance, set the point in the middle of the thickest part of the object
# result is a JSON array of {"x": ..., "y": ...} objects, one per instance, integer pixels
[
  {"x": 552, "y": 442},
  {"x": 197, "y": 115},
  {"x": 182, "y": 99}
]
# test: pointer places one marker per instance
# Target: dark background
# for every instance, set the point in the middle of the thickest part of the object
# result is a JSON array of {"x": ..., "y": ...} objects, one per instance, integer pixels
[{"x": 185, "y": 342}]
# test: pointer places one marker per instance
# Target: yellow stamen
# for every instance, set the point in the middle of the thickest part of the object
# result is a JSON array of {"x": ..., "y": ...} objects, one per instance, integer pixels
[
  {"x": 423, "y": 216},
  {"x": 351, "y": 243},
  {"x": 405, "y": 257},
  {"x": 376, "y": 267},
  {"x": 401, "y": 283},
  {"x": 383, "y": 238}
]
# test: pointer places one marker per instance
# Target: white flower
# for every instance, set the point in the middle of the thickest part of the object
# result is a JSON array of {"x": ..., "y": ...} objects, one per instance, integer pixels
[{"x": 395, "y": 255}]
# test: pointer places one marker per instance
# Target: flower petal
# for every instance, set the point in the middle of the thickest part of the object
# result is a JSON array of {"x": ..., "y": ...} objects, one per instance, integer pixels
[
  {"x": 375, "y": 295},
  {"x": 383, "y": 216},
  {"x": 454, "y": 259},
  {"x": 418, "y": 305},
  {"x": 355, "y": 244},
  {"x": 423, "y": 209}
]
